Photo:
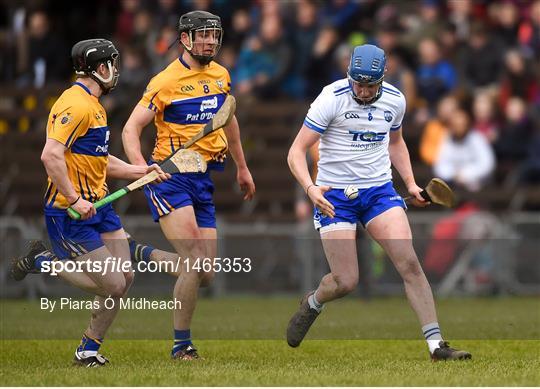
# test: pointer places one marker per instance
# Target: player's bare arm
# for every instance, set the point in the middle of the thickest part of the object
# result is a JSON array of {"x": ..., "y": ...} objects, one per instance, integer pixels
[
  {"x": 399, "y": 156},
  {"x": 139, "y": 118},
  {"x": 296, "y": 159},
  {"x": 116, "y": 168},
  {"x": 243, "y": 175},
  {"x": 55, "y": 165}
]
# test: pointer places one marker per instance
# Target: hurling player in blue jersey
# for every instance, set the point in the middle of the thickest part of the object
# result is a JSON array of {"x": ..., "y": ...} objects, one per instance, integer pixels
[{"x": 358, "y": 123}]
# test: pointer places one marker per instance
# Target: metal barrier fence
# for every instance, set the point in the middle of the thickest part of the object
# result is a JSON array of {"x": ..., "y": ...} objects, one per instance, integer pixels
[{"x": 490, "y": 255}]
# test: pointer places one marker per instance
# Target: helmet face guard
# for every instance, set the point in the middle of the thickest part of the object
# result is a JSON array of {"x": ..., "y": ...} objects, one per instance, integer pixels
[
  {"x": 201, "y": 23},
  {"x": 367, "y": 67},
  {"x": 377, "y": 95},
  {"x": 89, "y": 54}
]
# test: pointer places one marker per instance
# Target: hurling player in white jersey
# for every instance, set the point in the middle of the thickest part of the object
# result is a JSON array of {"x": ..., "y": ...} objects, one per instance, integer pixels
[{"x": 358, "y": 123}]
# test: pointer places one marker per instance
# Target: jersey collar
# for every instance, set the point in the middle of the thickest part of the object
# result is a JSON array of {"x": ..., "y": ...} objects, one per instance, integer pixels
[
  {"x": 184, "y": 63},
  {"x": 84, "y": 87}
]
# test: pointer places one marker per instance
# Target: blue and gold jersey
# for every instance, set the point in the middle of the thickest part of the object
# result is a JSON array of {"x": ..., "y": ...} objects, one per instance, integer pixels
[
  {"x": 78, "y": 121},
  {"x": 184, "y": 101}
]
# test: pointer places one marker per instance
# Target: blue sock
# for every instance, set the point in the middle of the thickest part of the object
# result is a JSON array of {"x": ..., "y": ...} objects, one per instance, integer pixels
[
  {"x": 89, "y": 344},
  {"x": 181, "y": 338},
  {"x": 45, "y": 256},
  {"x": 139, "y": 252}
]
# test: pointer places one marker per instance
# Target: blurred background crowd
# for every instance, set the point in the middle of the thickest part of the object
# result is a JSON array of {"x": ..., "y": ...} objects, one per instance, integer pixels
[{"x": 469, "y": 69}]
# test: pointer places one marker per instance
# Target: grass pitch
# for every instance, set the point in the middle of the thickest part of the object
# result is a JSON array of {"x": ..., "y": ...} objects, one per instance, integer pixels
[{"x": 241, "y": 340}]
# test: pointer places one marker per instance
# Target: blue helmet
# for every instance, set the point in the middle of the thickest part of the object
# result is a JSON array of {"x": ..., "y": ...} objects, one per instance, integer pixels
[{"x": 367, "y": 67}]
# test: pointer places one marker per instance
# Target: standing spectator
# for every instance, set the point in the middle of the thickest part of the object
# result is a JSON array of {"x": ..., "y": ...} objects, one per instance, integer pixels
[
  {"x": 466, "y": 158},
  {"x": 435, "y": 76},
  {"x": 124, "y": 23},
  {"x": 264, "y": 61},
  {"x": 305, "y": 33},
  {"x": 41, "y": 48},
  {"x": 481, "y": 62},
  {"x": 319, "y": 73}
]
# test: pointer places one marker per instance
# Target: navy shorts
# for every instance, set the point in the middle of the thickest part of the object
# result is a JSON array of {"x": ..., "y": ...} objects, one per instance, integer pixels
[
  {"x": 73, "y": 238},
  {"x": 371, "y": 202},
  {"x": 182, "y": 190}
]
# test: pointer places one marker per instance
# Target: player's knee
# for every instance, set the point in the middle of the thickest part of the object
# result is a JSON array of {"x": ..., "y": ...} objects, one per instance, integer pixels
[
  {"x": 116, "y": 289},
  {"x": 128, "y": 277},
  {"x": 410, "y": 268},
  {"x": 345, "y": 284},
  {"x": 207, "y": 279},
  {"x": 194, "y": 246}
]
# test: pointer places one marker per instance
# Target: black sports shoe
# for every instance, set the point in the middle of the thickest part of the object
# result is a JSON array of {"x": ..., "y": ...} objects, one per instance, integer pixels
[
  {"x": 301, "y": 322},
  {"x": 26, "y": 264},
  {"x": 95, "y": 360},
  {"x": 186, "y": 353},
  {"x": 447, "y": 353}
]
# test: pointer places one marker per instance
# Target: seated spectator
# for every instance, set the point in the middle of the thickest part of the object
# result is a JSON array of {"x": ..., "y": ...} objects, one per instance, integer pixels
[
  {"x": 425, "y": 22},
  {"x": 505, "y": 15},
  {"x": 435, "y": 76},
  {"x": 484, "y": 120},
  {"x": 518, "y": 80},
  {"x": 530, "y": 170},
  {"x": 399, "y": 75},
  {"x": 436, "y": 130},
  {"x": 512, "y": 142},
  {"x": 466, "y": 158},
  {"x": 529, "y": 31}
]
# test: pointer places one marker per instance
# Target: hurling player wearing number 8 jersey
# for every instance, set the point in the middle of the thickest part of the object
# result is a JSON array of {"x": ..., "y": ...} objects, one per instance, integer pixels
[
  {"x": 181, "y": 100},
  {"x": 358, "y": 122}
]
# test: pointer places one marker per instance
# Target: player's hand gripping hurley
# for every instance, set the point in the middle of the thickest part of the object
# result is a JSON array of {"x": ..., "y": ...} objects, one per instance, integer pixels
[
  {"x": 181, "y": 161},
  {"x": 437, "y": 192}
]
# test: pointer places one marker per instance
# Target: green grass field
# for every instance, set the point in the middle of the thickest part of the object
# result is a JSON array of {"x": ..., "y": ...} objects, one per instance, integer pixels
[{"x": 353, "y": 343}]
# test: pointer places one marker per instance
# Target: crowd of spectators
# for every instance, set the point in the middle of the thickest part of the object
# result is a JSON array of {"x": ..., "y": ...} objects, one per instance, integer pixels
[{"x": 469, "y": 69}]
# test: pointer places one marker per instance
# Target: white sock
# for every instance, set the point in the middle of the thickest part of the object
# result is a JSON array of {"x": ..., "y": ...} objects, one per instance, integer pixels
[
  {"x": 433, "y": 336},
  {"x": 313, "y": 303}
]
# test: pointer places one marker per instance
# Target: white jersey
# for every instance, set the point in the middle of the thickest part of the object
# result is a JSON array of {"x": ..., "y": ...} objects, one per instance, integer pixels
[{"x": 354, "y": 138}]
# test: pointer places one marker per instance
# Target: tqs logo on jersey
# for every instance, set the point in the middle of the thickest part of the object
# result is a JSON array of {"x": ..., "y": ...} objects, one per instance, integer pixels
[
  {"x": 219, "y": 84},
  {"x": 187, "y": 88},
  {"x": 352, "y": 115},
  {"x": 388, "y": 116},
  {"x": 367, "y": 136},
  {"x": 209, "y": 104}
]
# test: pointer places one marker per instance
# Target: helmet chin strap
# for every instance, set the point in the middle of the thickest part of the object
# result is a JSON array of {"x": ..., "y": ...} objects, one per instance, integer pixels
[{"x": 112, "y": 79}]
